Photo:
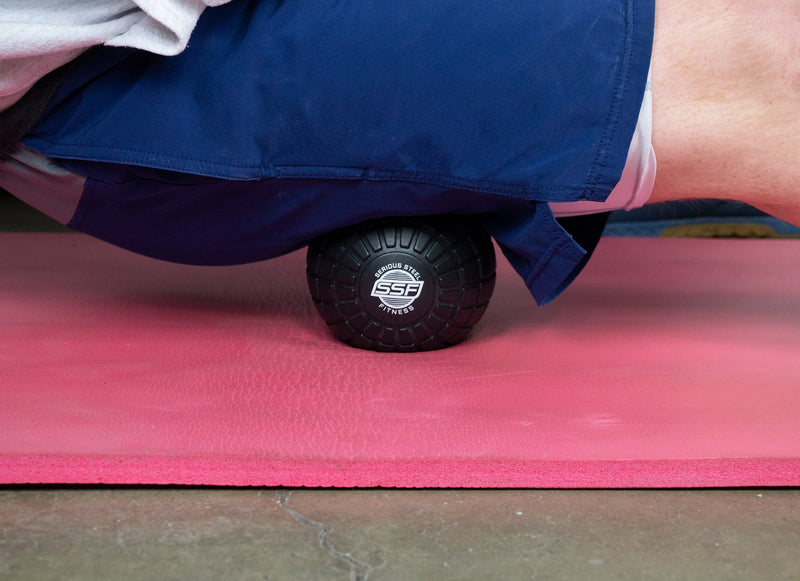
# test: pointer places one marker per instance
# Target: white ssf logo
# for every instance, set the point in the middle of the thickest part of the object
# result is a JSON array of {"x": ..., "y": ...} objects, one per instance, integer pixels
[{"x": 398, "y": 286}]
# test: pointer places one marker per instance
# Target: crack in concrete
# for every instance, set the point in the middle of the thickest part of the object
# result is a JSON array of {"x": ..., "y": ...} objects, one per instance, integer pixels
[{"x": 359, "y": 571}]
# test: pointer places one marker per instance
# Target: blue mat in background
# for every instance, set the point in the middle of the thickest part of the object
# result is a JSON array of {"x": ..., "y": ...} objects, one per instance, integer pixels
[{"x": 652, "y": 220}]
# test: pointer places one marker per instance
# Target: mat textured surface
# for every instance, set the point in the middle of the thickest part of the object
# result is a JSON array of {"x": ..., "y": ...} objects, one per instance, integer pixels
[{"x": 669, "y": 363}]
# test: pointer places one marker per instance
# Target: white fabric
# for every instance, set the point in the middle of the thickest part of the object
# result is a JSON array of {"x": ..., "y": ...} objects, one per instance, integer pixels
[
  {"x": 38, "y": 36},
  {"x": 638, "y": 177},
  {"x": 42, "y": 183}
]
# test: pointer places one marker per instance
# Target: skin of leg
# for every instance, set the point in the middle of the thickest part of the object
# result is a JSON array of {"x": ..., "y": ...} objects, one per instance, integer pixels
[{"x": 726, "y": 102}]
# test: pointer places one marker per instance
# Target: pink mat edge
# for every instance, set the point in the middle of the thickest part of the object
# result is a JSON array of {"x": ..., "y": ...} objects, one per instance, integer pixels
[{"x": 410, "y": 474}]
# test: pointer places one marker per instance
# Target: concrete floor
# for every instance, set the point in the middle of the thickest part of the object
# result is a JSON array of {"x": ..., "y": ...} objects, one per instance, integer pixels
[
  {"x": 276, "y": 534},
  {"x": 163, "y": 533}
]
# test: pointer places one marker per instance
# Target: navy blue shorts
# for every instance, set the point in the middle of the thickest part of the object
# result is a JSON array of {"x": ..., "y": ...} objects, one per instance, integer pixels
[{"x": 286, "y": 119}]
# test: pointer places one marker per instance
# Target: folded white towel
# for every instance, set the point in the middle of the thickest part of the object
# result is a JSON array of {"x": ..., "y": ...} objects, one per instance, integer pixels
[{"x": 38, "y": 36}]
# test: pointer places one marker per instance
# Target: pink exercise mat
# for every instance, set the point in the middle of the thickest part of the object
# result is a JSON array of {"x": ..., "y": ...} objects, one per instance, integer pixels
[{"x": 669, "y": 363}]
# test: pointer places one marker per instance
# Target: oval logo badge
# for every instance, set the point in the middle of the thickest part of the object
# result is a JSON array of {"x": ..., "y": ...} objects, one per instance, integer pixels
[{"x": 397, "y": 289}]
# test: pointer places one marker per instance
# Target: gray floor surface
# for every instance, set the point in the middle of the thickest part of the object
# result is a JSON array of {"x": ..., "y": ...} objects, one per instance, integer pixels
[
  {"x": 266, "y": 534},
  {"x": 278, "y": 534}
]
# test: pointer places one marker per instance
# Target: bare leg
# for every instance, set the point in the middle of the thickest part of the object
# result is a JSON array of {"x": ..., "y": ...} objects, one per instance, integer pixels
[{"x": 726, "y": 102}]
